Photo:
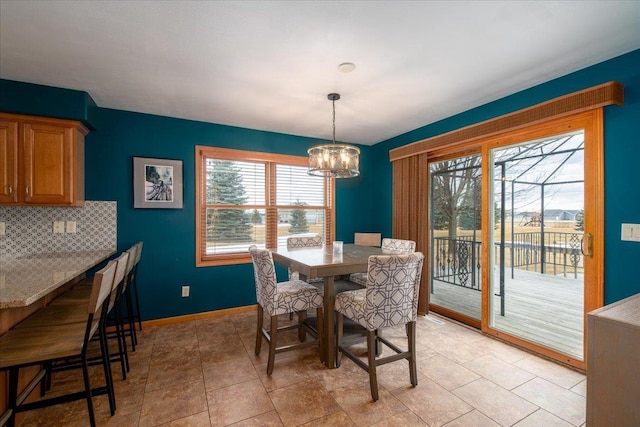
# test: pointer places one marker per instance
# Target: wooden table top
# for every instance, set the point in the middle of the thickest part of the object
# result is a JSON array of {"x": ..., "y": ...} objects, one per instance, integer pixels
[{"x": 320, "y": 262}]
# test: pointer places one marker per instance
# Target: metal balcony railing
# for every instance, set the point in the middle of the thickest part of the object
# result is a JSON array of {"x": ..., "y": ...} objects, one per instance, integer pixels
[{"x": 457, "y": 261}]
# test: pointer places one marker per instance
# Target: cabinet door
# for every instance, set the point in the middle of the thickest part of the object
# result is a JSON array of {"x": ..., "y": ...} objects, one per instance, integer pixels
[
  {"x": 8, "y": 161},
  {"x": 48, "y": 164}
]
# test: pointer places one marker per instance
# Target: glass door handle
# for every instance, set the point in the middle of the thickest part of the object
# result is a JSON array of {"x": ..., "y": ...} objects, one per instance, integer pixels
[{"x": 586, "y": 245}]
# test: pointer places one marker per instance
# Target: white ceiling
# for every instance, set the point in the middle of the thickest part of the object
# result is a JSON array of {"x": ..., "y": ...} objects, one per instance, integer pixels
[{"x": 269, "y": 65}]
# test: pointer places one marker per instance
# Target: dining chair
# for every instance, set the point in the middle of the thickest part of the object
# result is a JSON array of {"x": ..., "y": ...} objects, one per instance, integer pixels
[
  {"x": 367, "y": 239},
  {"x": 389, "y": 299},
  {"x": 23, "y": 347},
  {"x": 388, "y": 246},
  {"x": 293, "y": 296},
  {"x": 304, "y": 242}
]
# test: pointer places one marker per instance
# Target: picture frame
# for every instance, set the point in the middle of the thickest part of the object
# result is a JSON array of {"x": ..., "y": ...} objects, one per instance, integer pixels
[{"x": 157, "y": 183}]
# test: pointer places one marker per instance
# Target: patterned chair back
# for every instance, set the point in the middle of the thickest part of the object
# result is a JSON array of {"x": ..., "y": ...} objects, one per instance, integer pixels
[
  {"x": 398, "y": 246},
  {"x": 265, "y": 276},
  {"x": 304, "y": 242},
  {"x": 393, "y": 283}
]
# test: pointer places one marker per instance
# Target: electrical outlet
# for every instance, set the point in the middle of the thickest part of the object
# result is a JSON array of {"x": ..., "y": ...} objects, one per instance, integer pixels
[
  {"x": 2, "y": 228},
  {"x": 185, "y": 291},
  {"x": 58, "y": 227},
  {"x": 71, "y": 226}
]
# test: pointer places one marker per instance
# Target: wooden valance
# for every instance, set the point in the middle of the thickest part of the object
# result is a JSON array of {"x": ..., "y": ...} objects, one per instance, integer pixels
[{"x": 587, "y": 99}]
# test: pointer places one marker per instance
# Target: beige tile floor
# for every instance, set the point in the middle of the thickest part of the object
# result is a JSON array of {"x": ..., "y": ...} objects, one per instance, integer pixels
[{"x": 205, "y": 373}]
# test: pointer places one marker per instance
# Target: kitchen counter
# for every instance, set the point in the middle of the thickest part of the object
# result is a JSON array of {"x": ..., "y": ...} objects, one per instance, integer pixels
[{"x": 24, "y": 279}]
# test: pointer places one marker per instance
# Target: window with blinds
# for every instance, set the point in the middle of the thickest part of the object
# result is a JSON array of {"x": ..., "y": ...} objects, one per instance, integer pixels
[{"x": 251, "y": 198}]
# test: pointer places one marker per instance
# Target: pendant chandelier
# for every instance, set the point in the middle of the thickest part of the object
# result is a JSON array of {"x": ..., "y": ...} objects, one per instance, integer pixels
[{"x": 334, "y": 160}]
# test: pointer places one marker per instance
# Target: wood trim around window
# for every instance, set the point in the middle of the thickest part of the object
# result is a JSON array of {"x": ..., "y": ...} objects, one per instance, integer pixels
[{"x": 271, "y": 160}]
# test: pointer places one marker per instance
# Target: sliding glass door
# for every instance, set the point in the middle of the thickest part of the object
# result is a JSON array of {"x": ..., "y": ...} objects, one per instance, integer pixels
[
  {"x": 455, "y": 231},
  {"x": 515, "y": 238},
  {"x": 537, "y": 221}
]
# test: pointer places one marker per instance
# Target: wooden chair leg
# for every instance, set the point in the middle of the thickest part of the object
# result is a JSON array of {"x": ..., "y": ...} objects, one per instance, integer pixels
[
  {"x": 413, "y": 374},
  {"x": 378, "y": 343},
  {"x": 320, "y": 328},
  {"x": 273, "y": 341},
  {"x": 302, "y": 333},
  {"x": 339, "y": 331},
  {"x": 371, "y": 356},
  {"x": 259, "y": 330}
]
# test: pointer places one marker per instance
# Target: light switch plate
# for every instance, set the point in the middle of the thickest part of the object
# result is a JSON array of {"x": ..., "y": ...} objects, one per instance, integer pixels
[
  {"x": 630, "y": 232},
  {"x": 2, "y": 228},
  {"x": 58, "y": 227},
  {"x": 71, "y": 227},
  {"x": 185, "y": 291}
]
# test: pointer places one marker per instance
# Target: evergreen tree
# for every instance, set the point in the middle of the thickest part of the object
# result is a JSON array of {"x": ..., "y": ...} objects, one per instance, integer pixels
[
  {"x": 224, "y": 185},
  {"x": 256, "y": 218},
  {"x": 298, "y": 220}
]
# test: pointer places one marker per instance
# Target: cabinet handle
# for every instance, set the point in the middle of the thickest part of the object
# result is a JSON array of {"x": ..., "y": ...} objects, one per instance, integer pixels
[
  {"x": 26, "y": 190},
  {"x": 10, "y": 190}
]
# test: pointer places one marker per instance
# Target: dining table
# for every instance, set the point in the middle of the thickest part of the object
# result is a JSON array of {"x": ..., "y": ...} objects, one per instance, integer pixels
[{"x": 326, "y": 263}]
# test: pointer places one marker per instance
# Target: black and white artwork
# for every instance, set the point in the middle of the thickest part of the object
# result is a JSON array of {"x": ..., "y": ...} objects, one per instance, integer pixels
[{"x": 157, "y": 183}]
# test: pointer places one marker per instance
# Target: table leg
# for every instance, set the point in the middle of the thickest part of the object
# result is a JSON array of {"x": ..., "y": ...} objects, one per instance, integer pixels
[{"x": 329, "y": 323}]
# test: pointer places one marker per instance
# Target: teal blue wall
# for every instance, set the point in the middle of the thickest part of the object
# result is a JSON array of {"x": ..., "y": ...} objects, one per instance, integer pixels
[
  {"x": 47, "y": 101},
  {"x": 363, "y": 203},
  {"x": 169, "y": 234},
  {"x": 621, "y": 152}
]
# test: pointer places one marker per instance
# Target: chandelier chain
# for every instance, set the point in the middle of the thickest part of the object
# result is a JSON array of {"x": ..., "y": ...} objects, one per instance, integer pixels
[{"x": 334, "y": 120}]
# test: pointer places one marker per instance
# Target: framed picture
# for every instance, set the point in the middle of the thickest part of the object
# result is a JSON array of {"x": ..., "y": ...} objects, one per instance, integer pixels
[{"x": 157, "y": 183}]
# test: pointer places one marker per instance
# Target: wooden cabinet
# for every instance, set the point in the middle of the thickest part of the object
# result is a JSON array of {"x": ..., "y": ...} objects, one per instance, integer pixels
[
  {"x": 42, "y": 161},
  {"x": 613, "y": 364}
]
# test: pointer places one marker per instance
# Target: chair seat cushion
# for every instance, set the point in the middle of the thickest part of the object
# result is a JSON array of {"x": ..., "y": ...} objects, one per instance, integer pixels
[
  {"x": 295, "y": 295},
  {"x": 352, "y": 305},
  {"x": 359, "y": 278}
]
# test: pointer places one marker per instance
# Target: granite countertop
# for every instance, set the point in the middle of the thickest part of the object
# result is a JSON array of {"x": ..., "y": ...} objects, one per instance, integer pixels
[{"x": 24, "y": 279}]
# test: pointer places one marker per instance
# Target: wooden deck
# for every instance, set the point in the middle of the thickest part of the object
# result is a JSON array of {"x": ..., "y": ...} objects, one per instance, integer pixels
[{"x": 544, "y": 309}]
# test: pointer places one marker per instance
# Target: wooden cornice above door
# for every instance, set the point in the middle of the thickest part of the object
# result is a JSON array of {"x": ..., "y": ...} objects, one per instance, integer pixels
[{"x": 587, "y": 99}]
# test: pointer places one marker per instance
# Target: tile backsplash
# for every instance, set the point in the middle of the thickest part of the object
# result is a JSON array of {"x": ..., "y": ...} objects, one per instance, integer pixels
[{"x": 30, "y": 229}]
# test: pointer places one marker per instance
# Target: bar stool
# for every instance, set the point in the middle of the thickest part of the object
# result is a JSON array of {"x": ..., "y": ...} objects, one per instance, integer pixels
[
  {"x": 76, "y": 299},
  {"x": 22, "y": 347}
]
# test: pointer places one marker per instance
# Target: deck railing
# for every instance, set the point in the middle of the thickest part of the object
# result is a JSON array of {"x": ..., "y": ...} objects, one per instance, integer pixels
[
  {"x": 458, "y": 261},
  {"x": 560, "y": 253}
]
